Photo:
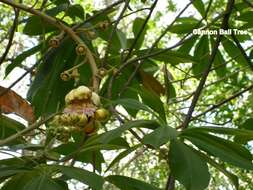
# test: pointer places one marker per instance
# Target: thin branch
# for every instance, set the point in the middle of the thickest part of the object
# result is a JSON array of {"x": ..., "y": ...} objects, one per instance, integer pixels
[
  {"x": 113, "y": 32},
  {"x": 26, "y": 130},
  {"x": 103, "y": 11},
  {"x": 141, "y": 30},
  {"x": 170, "y": 25},
  {"x": 11, "y": 36},
  {"x": 215, "y": 106},
  {"x": 209, "y": 65}
]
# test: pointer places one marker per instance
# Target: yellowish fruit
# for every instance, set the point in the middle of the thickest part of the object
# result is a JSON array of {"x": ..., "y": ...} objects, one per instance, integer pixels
[
  {"x": 95, "y": 99},
  {"x": 70, "y": 97},
  {"x": 83, "y": 92},
  {"x": 101, "y": 114}
]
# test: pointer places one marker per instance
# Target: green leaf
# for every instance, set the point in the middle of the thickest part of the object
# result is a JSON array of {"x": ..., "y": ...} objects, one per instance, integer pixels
[
  {"x": 47, "y": 90},
  {"x": 220, "y": 130},
  {"x": 35, "y": 25},
  {"x": 74, "y": 11},
  {"x": 160, "y": 136},
  {"x": 199, "y": 5},
  {"x": 182, "y": 28},
  {"x": 248, "y": 124},
  {"x": 187, "y": 167},
  {"x": 10, "y": 127},
  {"x": 92, "y": 179},
  {"x": 246, "y": 17},
  {"x": 21, "y": 57},
  {"x": 137, "y": 27},
  {"x": 118, "y": 40},
  {"x": 188, "y": 45},
  {"x": 32, "y": 180},
  {"x": 234, "y": 52},
  {"x": 233, "y": 178},
  {"x": 201, "y": 52},
  {"x": 10, "y": 171},
  {"x": 133, "y": 104},
  {"x": 153, "y": 101},
  {"x": 115, "y": 133},
  {"x": 85, "y": 157},
  {"x": 42, "y": 182},
  {"x": 127, "y": 183},
  {"x": 122, "y": 39},
  {"x": 226, "y": 150}
]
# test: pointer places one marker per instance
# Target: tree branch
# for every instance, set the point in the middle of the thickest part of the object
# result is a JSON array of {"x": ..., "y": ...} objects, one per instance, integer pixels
[
  {"x": 223, "y": 102},
  {"x": 11, "y": 36},
  {"x": 209, "y": 65},
  {"x": 25, "y": 131},
  {"x": 53, "y": 21}
]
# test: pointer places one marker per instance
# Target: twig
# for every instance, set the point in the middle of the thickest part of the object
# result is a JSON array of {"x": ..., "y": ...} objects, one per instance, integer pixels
[
  {"x": 141, "y": 30},
  {"x": 223, "y": 102},
  {"x": 113, "y": 32},
  {"x": 171, "y": 24},
  {"x": 11, "y": 36}
]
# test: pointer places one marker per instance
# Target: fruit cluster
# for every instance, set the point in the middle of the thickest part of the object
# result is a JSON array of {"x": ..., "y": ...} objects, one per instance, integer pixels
[{"x": 82, "y": 113}]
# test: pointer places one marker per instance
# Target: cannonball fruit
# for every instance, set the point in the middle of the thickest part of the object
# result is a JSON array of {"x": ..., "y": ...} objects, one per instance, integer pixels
[{"x": 81, "y": 114}]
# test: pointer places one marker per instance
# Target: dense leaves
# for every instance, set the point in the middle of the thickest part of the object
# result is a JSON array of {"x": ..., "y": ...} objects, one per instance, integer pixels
[{"x": 142, "y": 63}]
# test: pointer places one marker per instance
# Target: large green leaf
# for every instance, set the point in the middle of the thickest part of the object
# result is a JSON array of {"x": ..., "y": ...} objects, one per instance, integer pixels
[
  {"x": 92, "y": 157},
  {"x": 201, "y": 53},
  {"x": 160, "y": 136},
  {"x": 234, "y": 52},
  {"x": 246, "y": 17},
  {"x": 247, "y": 124},
  {"x": 220, "y": 130},
  {"x": 74, "y": 11},
  {"x": 92, "y": 179},
  {"x": 9, "y": 127},
  {"x": 199, "y": 5},
  {"x": 188, "y": 167},
  {"x": 115, "y": 133},
  {"x": 35, "y": 25},
  {"x": 226, "y": 150},
  {"x": 137, "y": 27},
  {"x": 233, "y": 178},
  {"x": 153, "y": 101},
  {"x": 133, "y": 104},
  {"x": 48, "y": 90},
  {"x": 21, "y": 57},
  {"x": 127, "y": 183},
  {"x": 33, "y": 180}
]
